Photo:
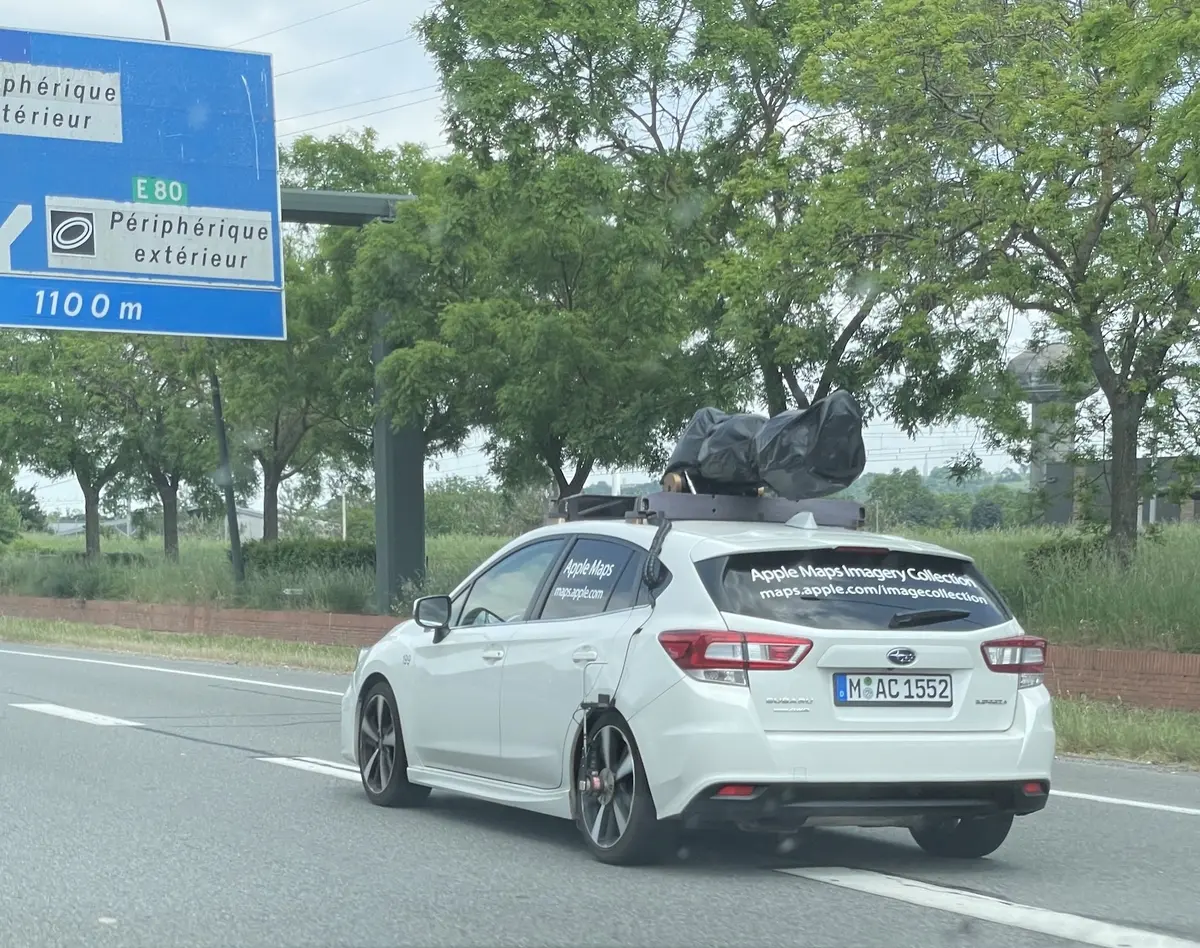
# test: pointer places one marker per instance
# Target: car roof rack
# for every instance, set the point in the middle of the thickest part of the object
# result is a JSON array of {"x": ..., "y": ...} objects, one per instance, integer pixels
[{"x": 671, "y": 505}]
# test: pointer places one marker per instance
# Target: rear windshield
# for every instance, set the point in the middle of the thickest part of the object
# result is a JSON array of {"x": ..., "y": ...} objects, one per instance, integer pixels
[{"x": 853, "y": 589}]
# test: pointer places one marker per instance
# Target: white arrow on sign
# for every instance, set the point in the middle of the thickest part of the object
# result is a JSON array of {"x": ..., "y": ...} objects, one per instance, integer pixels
[{"x": 20, "y": 218}]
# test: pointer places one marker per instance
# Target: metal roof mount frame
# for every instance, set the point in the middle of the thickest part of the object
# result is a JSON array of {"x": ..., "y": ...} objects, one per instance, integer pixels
[{"x": 668, "y": 505}]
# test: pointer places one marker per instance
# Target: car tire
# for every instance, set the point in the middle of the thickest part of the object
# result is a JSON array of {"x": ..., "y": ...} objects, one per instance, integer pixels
[
  {"x": 620, "y": 826},
  {"x": 382, "y": 762},
  {"x": 971, "y": 838}
]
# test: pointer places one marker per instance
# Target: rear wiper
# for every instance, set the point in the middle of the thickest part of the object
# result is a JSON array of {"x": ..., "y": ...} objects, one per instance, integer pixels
[{"x": 905, "y": 620}]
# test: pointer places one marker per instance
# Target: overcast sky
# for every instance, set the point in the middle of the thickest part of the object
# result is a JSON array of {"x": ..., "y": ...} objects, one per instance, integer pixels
[{"x": 353, "y": 64}]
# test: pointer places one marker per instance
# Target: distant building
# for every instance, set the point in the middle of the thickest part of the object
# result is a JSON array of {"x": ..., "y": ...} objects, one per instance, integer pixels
[
  {"x": 1070, "y": 490},
  {"x": 76, "y": 528},
  {"x": 250, "y": 524}
]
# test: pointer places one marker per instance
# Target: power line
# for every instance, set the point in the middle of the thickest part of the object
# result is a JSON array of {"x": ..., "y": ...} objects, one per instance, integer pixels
[
  {"x": 350, "y": 105},
  {"x": 355, "y": 118},
  {"x": 319, "y": 16},
  {"x": 338, "y": 59}
]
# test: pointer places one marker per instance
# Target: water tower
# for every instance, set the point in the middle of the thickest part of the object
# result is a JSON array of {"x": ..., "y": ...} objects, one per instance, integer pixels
[{"x": 1053, "y": 408}]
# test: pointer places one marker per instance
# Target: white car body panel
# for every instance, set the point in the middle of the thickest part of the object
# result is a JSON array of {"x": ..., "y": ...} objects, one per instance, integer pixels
[
  {"x": 550, "y": 667},
  {"x": 505, "y": 728}
]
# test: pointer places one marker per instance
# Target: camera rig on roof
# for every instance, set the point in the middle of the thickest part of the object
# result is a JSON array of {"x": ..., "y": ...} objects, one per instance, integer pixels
[{"x": 723, "y": 464}]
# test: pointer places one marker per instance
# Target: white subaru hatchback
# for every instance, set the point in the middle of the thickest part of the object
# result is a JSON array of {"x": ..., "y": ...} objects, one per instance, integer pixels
[{"x": 681, "y": 660}]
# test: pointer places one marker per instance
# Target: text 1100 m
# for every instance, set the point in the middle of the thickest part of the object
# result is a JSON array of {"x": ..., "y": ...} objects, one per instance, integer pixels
[{"x": 99, "y": 305}]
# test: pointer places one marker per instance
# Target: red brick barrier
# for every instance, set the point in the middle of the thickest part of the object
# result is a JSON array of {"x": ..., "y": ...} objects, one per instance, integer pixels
[{"x": 1144, "y": 679}]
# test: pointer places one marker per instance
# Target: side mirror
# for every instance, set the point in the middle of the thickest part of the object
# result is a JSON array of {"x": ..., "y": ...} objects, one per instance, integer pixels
[{"x": 432, "y": 612}]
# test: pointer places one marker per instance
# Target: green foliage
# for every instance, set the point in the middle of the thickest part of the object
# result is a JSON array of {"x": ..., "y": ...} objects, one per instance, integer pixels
[
  {"x": 538, "y": 304},
  {"x": 457, "y": 505},
  {"x": 10, "y": 520},
  {"x": 298, "y": 555},
  {"x": 905, "y": 499},
  {"x": 986, "y": 515},
  {"x": 1067, "y": 141},
  {"x": 32, "y": 515},
  {"x": 111, "y": 557},
  {"x": 1068, "y": 552},
  {"x": 807, "y": 264},
  {"x": 55, "y": 413},
  {"x": 295, "y": 405}
]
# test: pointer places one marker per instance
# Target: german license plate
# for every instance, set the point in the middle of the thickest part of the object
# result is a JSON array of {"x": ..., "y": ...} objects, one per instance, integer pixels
[{"x": 892, "y": 690}]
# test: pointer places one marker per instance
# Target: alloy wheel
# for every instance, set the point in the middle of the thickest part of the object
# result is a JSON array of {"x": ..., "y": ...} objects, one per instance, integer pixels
[
  {"x": 377, "y": 744},
  {"x": 606, "y": 811}
]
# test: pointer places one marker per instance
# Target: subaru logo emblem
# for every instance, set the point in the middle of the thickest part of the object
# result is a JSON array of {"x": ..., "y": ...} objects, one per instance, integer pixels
[{"x": 902, "y": 656}]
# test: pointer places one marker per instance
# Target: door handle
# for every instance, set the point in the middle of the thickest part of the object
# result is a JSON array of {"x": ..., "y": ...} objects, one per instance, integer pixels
[
  {"x": 493, "y": 655},
  {"x": 583, "y": 655}
]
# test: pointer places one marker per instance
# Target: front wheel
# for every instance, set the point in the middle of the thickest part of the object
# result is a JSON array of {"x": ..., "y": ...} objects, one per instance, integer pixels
[
  {"x": 615, "y": 811},
  {"x": 382, "y": 763},
  {"x": 970, "y": 838}
]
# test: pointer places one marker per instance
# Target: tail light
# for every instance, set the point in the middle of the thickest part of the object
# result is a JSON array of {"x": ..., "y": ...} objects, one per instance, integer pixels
[
  {"x": 1024, "y": 656},
  {"x": 728, "y": 657}
]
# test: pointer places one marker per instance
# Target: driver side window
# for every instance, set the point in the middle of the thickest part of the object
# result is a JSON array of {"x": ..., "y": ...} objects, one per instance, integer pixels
[{"x": 505, "y": 592}]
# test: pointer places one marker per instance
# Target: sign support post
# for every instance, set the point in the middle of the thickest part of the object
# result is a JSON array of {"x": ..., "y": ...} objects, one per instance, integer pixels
[{"x": 399, "y": 453}]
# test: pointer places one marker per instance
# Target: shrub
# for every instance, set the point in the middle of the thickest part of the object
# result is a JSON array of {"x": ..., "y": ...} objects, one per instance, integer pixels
[
  {"x": 115, "y": 558},
  {"x": 1068, "y": 550},
  {"x": 986, "y": 515},
  {"x": 302, "y": 555}
]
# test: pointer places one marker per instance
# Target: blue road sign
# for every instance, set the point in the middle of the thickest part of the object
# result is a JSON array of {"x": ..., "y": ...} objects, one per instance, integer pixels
[{"x": 139, "y": 188}]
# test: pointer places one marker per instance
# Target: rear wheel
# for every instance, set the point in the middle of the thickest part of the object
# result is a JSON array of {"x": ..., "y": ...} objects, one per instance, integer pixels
[
  {"x": 382, "y": 763},
  {"x": 971, "y": 838},
  {"x": 615, "y": 811}
]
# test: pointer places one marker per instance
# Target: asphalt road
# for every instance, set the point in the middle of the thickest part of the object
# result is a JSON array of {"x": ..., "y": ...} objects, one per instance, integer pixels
[{"x": 152, "y": 818}]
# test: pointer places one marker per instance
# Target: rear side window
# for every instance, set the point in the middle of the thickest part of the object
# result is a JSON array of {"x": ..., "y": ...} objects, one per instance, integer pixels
[
  {"x": 588, "y": 579},
  {"x": 854, "y": 589}
]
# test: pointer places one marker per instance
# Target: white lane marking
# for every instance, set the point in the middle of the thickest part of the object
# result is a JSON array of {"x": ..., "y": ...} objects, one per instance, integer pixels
[
  {"x": 313, "y": 767},
  {"x": 1077, "y": 928},
  {"x": 174, "y": 671},
  {"x": 1118, "y": 801},
  {"x": 330, "y": 763},
  {"x": 74, "y": 714}
]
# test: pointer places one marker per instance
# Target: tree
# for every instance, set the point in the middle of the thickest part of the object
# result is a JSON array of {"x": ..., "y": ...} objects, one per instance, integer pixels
[
  {"x": 169, "y": 427},
  {"x": 901, "y": 498},
  {"x": 283, "y": 400},
  {"x": 806, "y": 266},
  {"x": 57, "y": 416},
  {"x": 1067, "y": 133},
  {"x": 303, "y": 406},
  {"x": 10, "y": 513},
  {"x": 535, "y": 302}
]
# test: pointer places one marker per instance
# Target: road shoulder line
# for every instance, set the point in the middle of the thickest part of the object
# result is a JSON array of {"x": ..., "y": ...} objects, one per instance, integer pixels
[
  {"x": 1077, "y": 928},
  {"x": 74, "y": 714}
]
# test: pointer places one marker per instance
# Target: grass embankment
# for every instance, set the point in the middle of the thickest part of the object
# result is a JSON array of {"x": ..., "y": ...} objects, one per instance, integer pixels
[
  {"x": 212, "y": 648},
  {"x": 1151, "y": 605},
  {"x": 1104, "y": 729}
]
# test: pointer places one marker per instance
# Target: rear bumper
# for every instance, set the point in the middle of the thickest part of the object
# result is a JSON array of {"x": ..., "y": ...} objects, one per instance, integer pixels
[
  {"x": 791, "y": 806},
  {"x": 697, "y": 736}
]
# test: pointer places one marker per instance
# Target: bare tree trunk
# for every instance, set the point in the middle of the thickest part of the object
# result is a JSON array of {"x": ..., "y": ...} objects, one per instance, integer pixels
[
  {"x": 168, "y": 494},
  {"x": 568, "y": 488},
  {"x": 1124, "y": 478},
  {"x": 91, "y": 519},
  {"x": 270, "y": 505}
]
